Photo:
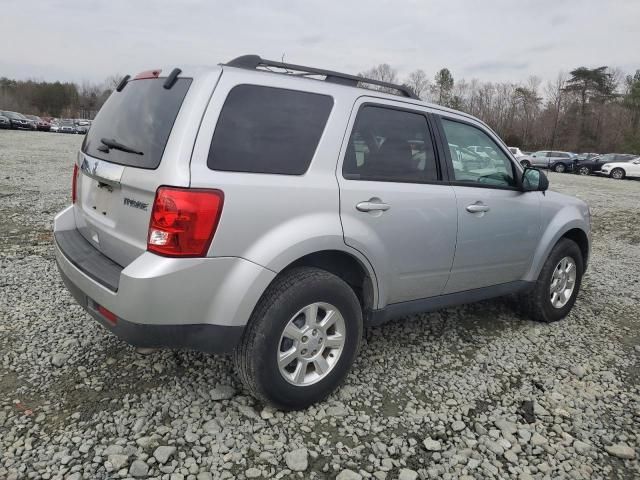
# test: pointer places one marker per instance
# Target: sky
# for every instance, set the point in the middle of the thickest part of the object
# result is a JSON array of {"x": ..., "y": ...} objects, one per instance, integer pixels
[{"x": 491, "y": 40}]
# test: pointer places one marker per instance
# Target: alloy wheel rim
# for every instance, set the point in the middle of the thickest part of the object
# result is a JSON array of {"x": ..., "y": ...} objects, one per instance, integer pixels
[
  {"x": 616, "y": 174},
  {"x": 311, "y": 344},
  {"x": 584, "y": 171},
  {"x": 560, "y": 168},
  {"x": 563, "y": 282}
]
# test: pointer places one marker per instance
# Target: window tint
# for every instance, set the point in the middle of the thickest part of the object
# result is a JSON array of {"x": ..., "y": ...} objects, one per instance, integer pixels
[
  {"x": 268, "y": 130},
  {"x": 390, "y": 145},
  {"x": 141, "y": 117},
  {"x": 486, "y": 165}
]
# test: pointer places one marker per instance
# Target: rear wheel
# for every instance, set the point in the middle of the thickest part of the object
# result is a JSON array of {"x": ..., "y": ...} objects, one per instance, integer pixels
[
  {"x": 617, "y": 173},
  {"x": 558, "y": 284},
  {"x": 301, "y": 340},
  {"x": 559, "y": 167},
  {"x": 584, "y": 170}
]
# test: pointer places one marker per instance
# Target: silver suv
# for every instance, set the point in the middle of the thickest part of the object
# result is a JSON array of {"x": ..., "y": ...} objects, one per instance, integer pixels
[{"x": 275, "y": 214}]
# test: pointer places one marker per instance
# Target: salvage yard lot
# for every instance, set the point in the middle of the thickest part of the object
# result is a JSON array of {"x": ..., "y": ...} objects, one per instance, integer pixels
[{"x": 445, "y": 393}]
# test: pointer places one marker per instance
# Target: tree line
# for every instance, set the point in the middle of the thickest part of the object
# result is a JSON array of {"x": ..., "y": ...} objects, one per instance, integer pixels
[
  {"x": 55, "y": 99},
  {"x": 586, "y": 110}
]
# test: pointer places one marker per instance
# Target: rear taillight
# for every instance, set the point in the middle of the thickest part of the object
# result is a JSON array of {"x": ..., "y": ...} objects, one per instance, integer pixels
[
  {"x": 74, "y": 183},
  {"x": 183, "y": 221}
]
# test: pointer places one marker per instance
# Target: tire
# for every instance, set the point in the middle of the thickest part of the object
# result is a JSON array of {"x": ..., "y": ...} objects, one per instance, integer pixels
[
  {"x": 584, "y": 171},
  {"x": 617, "y": 173},
  {"x": 263, "y": 342},
  {"x": 537, "y": 303},
  {"x": 525, "y": 163},
  {"x": 559, "y": 167}
]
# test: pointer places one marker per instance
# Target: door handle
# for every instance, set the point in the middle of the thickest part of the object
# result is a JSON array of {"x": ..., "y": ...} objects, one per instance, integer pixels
[
  {"x": 373, "y": 206},
  {"x": 477, "y": 208}
]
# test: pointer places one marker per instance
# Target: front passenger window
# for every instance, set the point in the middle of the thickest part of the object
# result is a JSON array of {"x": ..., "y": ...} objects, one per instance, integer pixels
[{"x": 476, "y": 157}]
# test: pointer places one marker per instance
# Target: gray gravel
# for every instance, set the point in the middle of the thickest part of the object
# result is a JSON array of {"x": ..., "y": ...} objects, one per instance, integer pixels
[{"x": 469, "y": 392}]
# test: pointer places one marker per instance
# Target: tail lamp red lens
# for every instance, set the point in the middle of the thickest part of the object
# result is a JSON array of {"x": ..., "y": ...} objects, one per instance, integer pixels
[
  {"x": 74, "y": 183},
  {"x": 184, "y": 221}
]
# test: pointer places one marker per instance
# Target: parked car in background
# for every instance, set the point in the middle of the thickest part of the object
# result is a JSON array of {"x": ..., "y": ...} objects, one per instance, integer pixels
[
  {"x": 165, "y": 244},
  {"x": 4, "y": 122},
  {"x": 552, "y": 159},
  {"x": 55, "y": 127},
  {"x": 17, "y": 120},
  {"x": 516, "y": 152},
  {"x": 40, "y": 123},
  {"x": 622, "y": 169},
  {"x": 586, "y": 156},
  {"x": 66, "y": 126},
  {"x": 594, "y": 164},
  {"x": 82, "y": 126}
]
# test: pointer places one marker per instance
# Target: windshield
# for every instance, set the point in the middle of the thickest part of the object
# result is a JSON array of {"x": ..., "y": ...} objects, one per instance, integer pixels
[{"x": 141, "y": 117}]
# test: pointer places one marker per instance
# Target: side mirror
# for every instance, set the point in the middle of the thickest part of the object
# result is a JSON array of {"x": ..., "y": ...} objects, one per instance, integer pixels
[{"x": 533, "y": 180}]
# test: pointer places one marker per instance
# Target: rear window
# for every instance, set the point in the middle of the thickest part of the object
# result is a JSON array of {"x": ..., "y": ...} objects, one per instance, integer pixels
[
  {"x": 268, "y": 130},
  {"x": 140, "y": 117}
]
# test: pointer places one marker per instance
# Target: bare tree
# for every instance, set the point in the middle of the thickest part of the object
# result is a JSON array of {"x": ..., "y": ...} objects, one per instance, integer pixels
[
  {"x": 555, "y": 92},
  {"x": 384, "y": 73},
  {"x": 419, "y": 83}
]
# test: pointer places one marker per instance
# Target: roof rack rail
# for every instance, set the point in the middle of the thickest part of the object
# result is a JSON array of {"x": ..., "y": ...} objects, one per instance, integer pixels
[{"x": 253, "y": 62}]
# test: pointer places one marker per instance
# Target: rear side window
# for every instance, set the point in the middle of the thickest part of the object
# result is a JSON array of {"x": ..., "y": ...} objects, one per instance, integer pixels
[
  {"x": 268, "y": 130},
  {"x": 140, "y": 117},
  {"x": 390, "y": 145}
]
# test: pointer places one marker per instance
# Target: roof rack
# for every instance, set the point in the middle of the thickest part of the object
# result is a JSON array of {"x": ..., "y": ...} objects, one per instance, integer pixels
[{"x": 254, "y": 62}]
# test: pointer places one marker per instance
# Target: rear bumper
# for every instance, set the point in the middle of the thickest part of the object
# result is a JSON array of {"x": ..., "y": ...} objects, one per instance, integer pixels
[{"x": 196, "y": 303}]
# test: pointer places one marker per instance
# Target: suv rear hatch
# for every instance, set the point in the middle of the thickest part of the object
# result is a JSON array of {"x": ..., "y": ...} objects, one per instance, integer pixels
[{"x": 135, "y": 144}]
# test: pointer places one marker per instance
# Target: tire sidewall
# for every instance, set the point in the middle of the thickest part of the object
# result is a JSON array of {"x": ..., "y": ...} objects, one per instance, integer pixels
[
  {"x": 565, "y": 248},
  {"x": 618, "y": 169},
  {"x": 326, "y": 288}
]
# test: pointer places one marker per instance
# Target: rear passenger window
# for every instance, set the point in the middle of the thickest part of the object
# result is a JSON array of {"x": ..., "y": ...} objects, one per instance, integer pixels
[
  {"x": 390, "y": 145},
  {"x": 268, "y": 130}
]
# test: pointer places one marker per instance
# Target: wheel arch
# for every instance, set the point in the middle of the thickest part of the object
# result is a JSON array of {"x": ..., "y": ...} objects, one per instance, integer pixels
[
  {"x": 574, "y": 228},
  {"x": 355, "y": 271}
]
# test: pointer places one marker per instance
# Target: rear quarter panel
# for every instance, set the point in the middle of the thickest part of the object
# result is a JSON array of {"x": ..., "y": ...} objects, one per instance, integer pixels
[{"x": 271, "y": 219}]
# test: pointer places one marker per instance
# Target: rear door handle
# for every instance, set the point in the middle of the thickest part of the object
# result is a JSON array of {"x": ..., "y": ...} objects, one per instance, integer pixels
[
  {"x": 477, "y": 208},
  {"x": 370, "y": 206}
]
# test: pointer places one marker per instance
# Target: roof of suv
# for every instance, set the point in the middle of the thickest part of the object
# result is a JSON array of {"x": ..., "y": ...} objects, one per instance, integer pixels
[{"x": 316, "y": 74}]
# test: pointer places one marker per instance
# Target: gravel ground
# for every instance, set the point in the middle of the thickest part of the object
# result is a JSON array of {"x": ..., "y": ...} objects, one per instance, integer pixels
[{"x": 469, "y": 392}]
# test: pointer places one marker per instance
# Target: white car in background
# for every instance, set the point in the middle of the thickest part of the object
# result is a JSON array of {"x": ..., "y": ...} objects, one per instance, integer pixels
[
  {"x": 620, "y": 170},
  {"x": 524, "y": 159}
]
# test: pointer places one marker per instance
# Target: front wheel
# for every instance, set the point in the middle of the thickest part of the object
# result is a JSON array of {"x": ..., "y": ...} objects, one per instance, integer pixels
[
  {"x": 559, "y": 167},
  {"x": 584, "y": 170},
  {"x": 617, "y": 173},
  {"x": 301, "y": 340},
  {"x": 558, "y": 284}
]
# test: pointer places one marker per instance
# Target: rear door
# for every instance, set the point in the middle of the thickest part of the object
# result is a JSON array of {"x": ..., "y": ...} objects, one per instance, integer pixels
[
  {"x": 394, "y": 206},
  {"x": 141, "y": 138},
  {"x": 539, "y": 159}
]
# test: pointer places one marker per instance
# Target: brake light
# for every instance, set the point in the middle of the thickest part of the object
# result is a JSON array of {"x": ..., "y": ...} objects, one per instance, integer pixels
[
  {"x": 183, "y": 221},
  {"x": 74, "y": 183},
  {"x": 148, "y": 74}
]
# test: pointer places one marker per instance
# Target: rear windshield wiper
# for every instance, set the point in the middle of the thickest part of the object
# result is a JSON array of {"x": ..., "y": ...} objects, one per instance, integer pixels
[{"x": 111, "y": 143}]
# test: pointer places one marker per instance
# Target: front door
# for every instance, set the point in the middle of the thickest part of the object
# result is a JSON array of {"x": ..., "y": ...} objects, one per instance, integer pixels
[
  {"x": 498, "y": 224},
  {"x": 393, "y": 205}
]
